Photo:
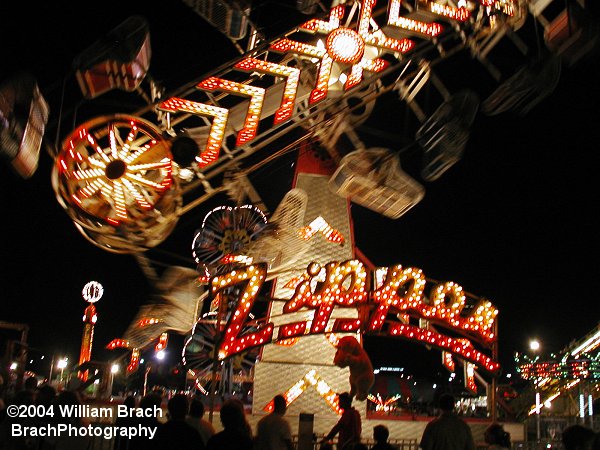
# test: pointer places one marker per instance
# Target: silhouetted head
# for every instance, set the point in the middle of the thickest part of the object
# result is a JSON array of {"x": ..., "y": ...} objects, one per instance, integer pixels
[
  {"x": 31, "y": 383},
  {"x": 68, "y": 398},
  {"x": 577, "y": 437},
  {"x": 151, "y": 400},
  {"x": 197, "y": 408},
  {"x": 496, "y": 435},
  {"x": 446, "y": 402},
  {"x": 345, "y": 400},
  {"x": 129, "y": 401},
  {"x": 380, "y": 433},
  {"x": 178, "y": 407},
  {"x": 279, "y": 404},
  {"x": 232, "y": 415},
  {"x": 45, "y": 395}
]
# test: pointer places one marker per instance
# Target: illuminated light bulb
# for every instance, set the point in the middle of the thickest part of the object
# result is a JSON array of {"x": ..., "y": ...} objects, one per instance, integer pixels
[
  {"x": 375, "y": 39},
  {"x": 255, "y": 275},
  {"x": 117, "y": 343},
  {"x": 149, "y": 321},
  {"x": 394, "y": 19},
  {"x": 292, "y": 75},
  {"x": 316, "y": 25},
  {"x": 460, "y": 14},
  {"x": 446, "y": 343},
  {"x": 134, "y": 361},
  {"x": 345, "y": 45},
  {"x": 322, "y": 83},
  {"x": 256, "y": 94},
  {"x": 217, "y": 129}
]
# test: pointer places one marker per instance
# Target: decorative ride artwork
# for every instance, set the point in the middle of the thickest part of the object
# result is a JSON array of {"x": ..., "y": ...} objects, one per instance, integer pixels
[{"x": 398, "y": 292}]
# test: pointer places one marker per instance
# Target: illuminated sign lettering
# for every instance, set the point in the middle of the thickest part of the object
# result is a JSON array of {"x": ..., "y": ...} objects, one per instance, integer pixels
[{"x": 398, "y": 292}]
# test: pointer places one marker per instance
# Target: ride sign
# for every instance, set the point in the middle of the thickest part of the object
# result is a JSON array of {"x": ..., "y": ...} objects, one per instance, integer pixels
[{"x": 398, "y": 297}]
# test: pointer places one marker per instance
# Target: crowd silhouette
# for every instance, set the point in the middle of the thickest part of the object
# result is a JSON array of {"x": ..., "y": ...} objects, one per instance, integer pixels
[{"x": 185, "y": 428}]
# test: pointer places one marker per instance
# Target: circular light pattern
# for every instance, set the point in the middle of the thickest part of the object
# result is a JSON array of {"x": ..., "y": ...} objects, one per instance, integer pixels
[
  {"x": 116, "y": 169},
  {"x": 114, "y": 178},
  {"x": 225, "y": 236},
  {"x": 92, "y": 292},
  {"x": 345, "y": 45}
]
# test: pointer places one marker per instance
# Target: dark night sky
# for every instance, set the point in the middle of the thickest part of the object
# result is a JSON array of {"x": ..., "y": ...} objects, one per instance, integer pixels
[{"x": 514, "y": 221}]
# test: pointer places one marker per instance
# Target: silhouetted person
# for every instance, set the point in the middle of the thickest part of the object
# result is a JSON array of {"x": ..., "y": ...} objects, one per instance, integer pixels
[
  {"x": 69, "y": 441},
  {"x": 121, "y": 442},
  {"x": 577, "y": 437},
  {"x": 359, "y": 446},
  {"x": 247, "y": 426},
  {"x": 150, "y": 400},
  {"x": 497, "y": 437},
  {"x": 447, "y": 431},
  {"x": 273, "y": 431},
  {"x": 380, "y": 436},
  {"x": 46, "y": 396},
  {"x": 176, "y": 433},
  {"x": 349, "y": 426},
  {"x": 196, "y": 419},
  {"x": 7, "y": 439},
  {"x": 235, "y": 433},
  {"x": 31, "y": 385}
]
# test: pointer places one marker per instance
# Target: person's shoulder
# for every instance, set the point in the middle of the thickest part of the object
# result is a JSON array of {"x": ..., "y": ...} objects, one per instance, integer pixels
[
  {"x": 433, "y": 422},
  {"x": 206, "y": 425},
  {"x": 215, "y": 440},
  {"x": 179, "y": 426},
  {"x": 191, "y": 430},
  {"x": 384, "y": 446},
  {"x": 224, "y": 440}
]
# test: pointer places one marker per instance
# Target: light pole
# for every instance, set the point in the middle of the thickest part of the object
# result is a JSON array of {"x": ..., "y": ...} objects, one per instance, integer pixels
[
  {"x": 160, "y": 356},
  {"x": 534, "y": 346},
  {"x": 61, "y": 364},
  {"x": 114, "y": 369}
]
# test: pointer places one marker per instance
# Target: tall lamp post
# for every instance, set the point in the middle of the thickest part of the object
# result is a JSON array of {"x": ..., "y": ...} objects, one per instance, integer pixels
[
  {"x": 62, "y": 364},
  {"x": 534, "y": 346},
  {"x": 160, "y": 356},
  {"x": 114, "y": 369}
]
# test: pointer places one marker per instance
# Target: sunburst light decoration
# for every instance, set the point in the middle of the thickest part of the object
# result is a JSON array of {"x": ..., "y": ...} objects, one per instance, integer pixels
[
  {"x": 225, "y": 236},
  {"x": 114, "y": 178},
  {"x": 385, "y": 405},
  {"x": 345, "y": 46}
]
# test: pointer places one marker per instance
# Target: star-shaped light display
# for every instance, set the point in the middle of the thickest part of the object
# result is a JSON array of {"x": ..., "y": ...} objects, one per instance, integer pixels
[{"x": 347, "y": 46}]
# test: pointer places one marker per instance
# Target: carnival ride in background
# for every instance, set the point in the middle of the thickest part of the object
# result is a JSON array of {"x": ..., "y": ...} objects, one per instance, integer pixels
[
  {"x": 573, "y": 375},
  {"x": 126, "y": 179}
]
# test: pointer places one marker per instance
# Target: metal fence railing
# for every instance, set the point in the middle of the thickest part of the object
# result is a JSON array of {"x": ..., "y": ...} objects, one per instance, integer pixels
[{"x": 398, "y": 444}]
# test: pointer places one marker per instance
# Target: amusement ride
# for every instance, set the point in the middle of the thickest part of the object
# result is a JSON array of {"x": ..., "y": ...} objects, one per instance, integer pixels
[{"x": 272, "y": 294}]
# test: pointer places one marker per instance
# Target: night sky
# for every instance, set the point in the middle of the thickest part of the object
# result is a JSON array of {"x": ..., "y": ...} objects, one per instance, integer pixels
[{"x": 514, "y": 221}]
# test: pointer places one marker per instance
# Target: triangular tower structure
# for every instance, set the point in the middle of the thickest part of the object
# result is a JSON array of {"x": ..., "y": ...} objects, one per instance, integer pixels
[{"x": 309, "y": 360}]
